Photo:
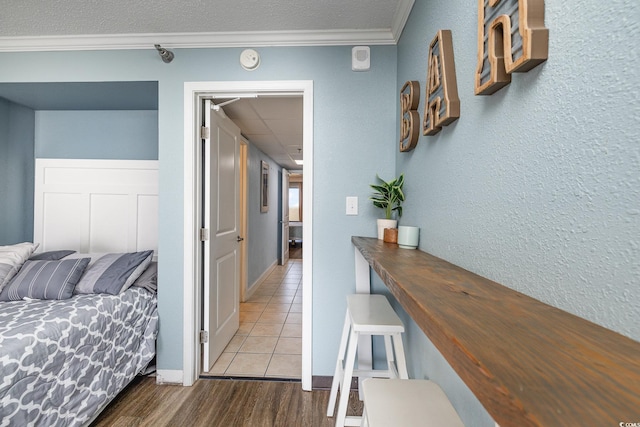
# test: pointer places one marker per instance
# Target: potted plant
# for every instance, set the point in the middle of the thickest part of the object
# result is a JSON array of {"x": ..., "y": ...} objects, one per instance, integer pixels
[{"x": 389, "y": 197}]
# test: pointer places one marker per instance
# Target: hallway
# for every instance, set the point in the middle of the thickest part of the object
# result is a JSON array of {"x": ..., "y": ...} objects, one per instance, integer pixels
[{"x": 269, "y": 341}]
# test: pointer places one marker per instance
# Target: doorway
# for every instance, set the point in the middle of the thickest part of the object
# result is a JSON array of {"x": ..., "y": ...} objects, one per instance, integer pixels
[
  {"x": 194, "y": 94},
  {"x": 296, "y": 219},
  {"x": 266, "y": 339}
]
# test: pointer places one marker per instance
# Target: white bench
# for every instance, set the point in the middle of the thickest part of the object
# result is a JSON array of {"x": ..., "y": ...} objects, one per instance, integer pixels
[
  {"x": 406, "y": 403},
  {"x": 367, "y": 315}
]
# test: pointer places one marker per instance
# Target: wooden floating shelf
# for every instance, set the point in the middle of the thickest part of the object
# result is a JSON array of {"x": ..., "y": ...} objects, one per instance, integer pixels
[{"x": 528, "y": 363}]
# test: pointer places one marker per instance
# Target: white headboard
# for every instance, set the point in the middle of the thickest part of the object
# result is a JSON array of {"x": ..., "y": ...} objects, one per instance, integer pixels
[{"x": 96, "y": 206}]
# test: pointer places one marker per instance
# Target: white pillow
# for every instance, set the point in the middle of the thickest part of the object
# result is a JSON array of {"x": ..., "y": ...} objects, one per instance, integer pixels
[{"x": 11, "y": 259}]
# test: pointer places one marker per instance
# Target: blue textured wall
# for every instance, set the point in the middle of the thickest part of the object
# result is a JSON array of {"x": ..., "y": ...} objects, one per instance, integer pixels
[
  {"x": 537, "y": 186},
  {"x": 26, "y": 134},
  {"x": 105, "y": 134},
  {"x": 354, "y": 134},
  {"x": 17, "y": 169},
  {"x": 262, "y": 227},
  {"x": 4, "y": 154}
]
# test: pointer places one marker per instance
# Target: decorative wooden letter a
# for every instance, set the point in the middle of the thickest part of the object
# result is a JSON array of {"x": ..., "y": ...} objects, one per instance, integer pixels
[
  {"x": 511, "y": 38},
  {"x": 442, "y": 105}
]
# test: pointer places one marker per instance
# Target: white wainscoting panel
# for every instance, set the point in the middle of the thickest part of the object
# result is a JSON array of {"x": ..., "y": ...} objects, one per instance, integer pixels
[{"x": 95, "y": 206}]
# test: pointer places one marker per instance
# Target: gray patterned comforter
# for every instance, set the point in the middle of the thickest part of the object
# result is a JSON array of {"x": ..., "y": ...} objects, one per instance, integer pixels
[{"x": 61, "y": 362}]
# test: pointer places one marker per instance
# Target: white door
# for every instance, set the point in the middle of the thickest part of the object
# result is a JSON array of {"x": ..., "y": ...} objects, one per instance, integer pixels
[
  {"x": 284, "y": 221},
  {"x": 222, "y": 220}
]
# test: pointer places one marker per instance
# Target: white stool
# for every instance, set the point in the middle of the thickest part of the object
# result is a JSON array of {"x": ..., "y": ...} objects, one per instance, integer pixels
[
  {"x": 367, "y": 315},
  {"x": 406, "y": 403}
]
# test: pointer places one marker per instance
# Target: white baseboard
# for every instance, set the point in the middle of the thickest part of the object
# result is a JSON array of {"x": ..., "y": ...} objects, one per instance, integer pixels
[
  {"x": 255, "y": 285},
  {"x": 169, "y": 376}
]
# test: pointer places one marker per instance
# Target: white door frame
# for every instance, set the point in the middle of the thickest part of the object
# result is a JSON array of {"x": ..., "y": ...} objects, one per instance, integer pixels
[
  {"x": 284, "y": 230},
  {"x": 244, "y": 216},
  {"x": 194, "y": 93}
]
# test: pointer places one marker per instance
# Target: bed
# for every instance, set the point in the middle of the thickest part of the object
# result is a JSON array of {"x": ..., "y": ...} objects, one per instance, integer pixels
[{"x": 76, "y": 326}]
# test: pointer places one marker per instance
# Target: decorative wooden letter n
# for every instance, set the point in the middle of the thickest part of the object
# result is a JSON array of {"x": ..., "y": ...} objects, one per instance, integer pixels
[
  {"x": 442, "y": 105},
  {"x": 511, "y": 38}
]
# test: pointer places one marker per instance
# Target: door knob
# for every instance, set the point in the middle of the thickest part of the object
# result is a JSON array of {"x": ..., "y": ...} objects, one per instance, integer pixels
[{"x": 240, "y": 239}]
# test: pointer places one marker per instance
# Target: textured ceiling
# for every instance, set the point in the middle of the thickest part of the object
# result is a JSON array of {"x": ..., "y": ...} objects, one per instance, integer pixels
[
  {"x": 273, "y": 124},
  {"x": 116, "y": 24},
  {"x": 75, "y": 17}
]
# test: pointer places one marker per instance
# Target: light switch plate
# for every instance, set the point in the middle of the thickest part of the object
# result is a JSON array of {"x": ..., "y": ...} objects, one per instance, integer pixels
[{"x": 352, "y": 205}]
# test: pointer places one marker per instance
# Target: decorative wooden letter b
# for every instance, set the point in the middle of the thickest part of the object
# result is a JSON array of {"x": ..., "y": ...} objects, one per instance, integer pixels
[
  {"x": 409, "y": 117},
  {"x": 442, "y": 105},
  {"x": 511, "y": 38}
]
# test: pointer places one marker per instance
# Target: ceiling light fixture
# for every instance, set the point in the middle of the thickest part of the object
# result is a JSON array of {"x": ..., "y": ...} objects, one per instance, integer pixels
[
  {"x": 166, "y": 55},
  {"x": 298, "y": 162}
]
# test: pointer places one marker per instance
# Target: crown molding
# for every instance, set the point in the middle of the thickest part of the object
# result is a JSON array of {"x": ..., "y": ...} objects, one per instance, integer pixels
[
  {"x": 197, "y": 40},
  {"x": 401, "y": 17},
  {"x": 384, "y": 36}
]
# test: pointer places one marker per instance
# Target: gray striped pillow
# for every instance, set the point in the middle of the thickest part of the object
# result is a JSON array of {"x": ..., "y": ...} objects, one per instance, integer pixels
[
  {"x": 113, "y": 273},
  {"x": 51, "y": 255},
  {"x": 45, "y": 280}
]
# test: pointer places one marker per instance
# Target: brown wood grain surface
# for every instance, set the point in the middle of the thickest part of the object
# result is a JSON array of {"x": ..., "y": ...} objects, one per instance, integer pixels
[
  {"x": 529, "y": 364},
  {"x": 220, "y": 403}
]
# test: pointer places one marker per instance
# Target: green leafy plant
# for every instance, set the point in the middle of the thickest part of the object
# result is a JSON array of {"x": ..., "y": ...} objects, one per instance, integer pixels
[{"x": 388, "y": 195}]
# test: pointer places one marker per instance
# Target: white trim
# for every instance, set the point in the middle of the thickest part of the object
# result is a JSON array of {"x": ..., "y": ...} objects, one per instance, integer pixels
[
  {"x": 194, "y": 92},
  {"x": 191, "y": 110},
  {"x": 197, "y": 40},
  {"x": 400, "y": 18},
  {"x": 169, "y": 376},
  {"x": 307, "y": 236}
]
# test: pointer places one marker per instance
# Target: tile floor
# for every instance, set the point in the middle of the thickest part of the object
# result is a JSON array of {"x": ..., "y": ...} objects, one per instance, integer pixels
[{"x": 269, "y": 340}]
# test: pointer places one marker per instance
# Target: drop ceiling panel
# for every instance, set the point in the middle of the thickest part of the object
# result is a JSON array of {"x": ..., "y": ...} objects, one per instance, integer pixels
[
  {"x": 240, "y": 109},
  {"x": 273, "y": 123},
  {"x": 285, "y": 126},
  {"x": 278, "y": 107},
  {"x": 252, "y": 126},
  {"x": 264, "y": 140},
  {"x": 292, "y": 146},
  {"x": 294, "y": 149}
]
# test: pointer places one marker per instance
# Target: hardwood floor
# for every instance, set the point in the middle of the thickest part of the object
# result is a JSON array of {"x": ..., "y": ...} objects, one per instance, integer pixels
[{"x": 228, "y": 403}]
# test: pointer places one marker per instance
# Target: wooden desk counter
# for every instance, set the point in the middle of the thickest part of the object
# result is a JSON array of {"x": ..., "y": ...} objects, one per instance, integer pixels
[{"x": 529, "y": 364}]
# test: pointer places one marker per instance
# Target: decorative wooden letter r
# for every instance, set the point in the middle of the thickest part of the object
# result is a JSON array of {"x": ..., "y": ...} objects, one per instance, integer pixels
[{"x": 511, "y": 38}]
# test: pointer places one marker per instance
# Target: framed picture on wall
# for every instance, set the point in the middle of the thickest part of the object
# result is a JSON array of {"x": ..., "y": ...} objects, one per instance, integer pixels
[{"x": 264, "y": 187}]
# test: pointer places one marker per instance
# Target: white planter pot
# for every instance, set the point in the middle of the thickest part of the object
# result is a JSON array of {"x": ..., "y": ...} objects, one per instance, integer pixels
[
  {"x": 385, "y": 223},
  {"x": 408, "y": 237}
]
